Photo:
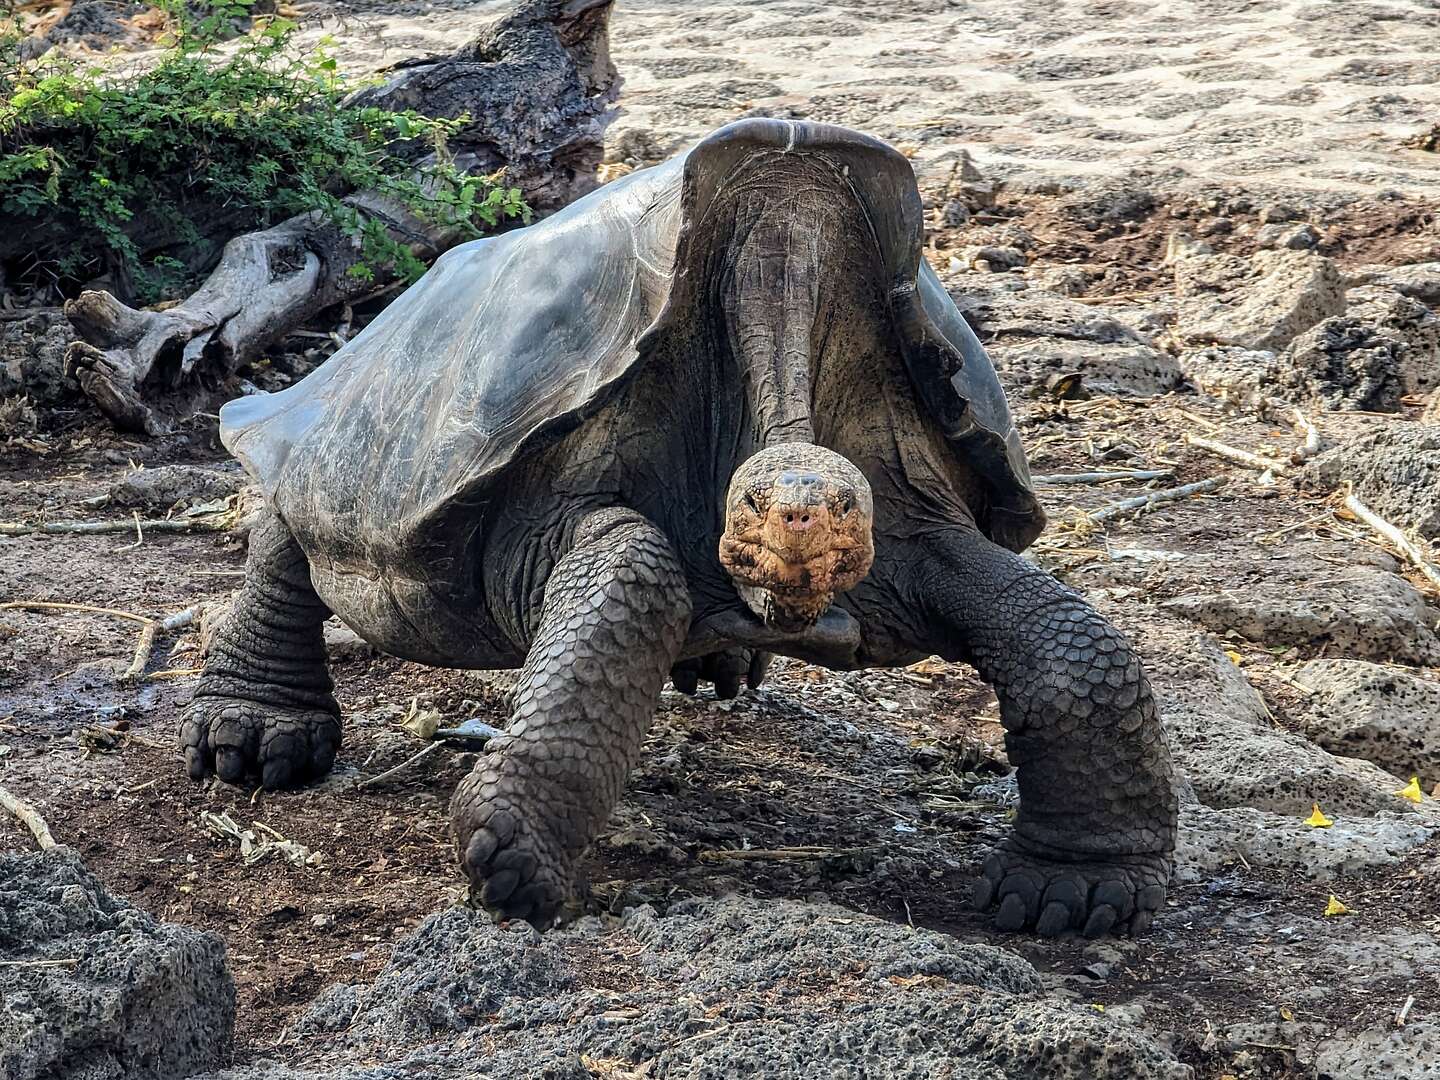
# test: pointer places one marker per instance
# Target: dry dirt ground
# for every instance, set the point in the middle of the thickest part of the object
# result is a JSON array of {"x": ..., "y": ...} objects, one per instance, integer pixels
[{"x": 1112, "y": 126}]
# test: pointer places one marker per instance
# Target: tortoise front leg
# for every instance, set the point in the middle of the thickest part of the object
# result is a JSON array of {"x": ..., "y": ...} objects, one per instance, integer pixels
[
  {"x": 264, "y": 704},
  {"x": 1094, "y": 838},
  {"x": 614, "y": 619}
]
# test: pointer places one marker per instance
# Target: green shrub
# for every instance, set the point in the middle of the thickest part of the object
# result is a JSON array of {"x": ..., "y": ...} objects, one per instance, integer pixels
[{"x": 256, "y": 128}]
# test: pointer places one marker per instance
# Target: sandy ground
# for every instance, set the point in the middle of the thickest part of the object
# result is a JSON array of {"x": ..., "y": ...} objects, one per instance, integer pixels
[{"x": 1318, "y": 96}]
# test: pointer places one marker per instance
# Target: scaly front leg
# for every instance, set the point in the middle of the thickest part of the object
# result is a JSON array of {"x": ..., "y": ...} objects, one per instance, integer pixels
[
  {"x": 1094, "y": 838},
  {"x": 615, "y": 616}
]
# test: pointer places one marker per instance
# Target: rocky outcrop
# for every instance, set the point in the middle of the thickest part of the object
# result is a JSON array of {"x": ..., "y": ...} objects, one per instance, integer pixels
[
  {"x": 93, "y": 987},
  {"x": 32, "y": 357},
  {"x": 1034, "y": 337},
  {"x": 1363, "y": 610},
  {"x": 1379, "y": 713},
  {"x": 1395, "y": 471},
  {"x": 1263, "y": 303},
  {"x": 729, "y": 987}
]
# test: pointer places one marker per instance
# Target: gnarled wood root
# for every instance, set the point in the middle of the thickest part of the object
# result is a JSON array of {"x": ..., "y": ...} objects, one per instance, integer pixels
[{"x": 538, "y": 87}]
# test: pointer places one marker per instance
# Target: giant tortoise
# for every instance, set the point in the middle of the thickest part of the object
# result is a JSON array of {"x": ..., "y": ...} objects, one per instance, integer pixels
[{"x": 718, "y": 409}]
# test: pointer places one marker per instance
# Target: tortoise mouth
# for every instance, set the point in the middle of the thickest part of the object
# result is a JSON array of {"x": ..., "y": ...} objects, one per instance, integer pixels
[{"x": 787, "y": 612}]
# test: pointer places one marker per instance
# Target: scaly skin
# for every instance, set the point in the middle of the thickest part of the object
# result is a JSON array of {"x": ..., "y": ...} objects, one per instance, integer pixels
[
  {"x": 614, "y": 619},
  {"x": 1093, "y": 841},
  {"x": 264, "y": 705}
]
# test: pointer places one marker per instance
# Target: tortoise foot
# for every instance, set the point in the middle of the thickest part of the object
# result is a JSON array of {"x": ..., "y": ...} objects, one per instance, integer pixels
[
  {"x": 515, "y": 872},
  {"x": 1095, "y": 898},
  {"x": 235, "y": 738}
]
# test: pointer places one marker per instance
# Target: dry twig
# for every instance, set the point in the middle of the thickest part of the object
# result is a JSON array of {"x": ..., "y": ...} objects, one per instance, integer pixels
[
  {"x": 1102, "y": 477},
  {"x": 29, "y": 817},
  {"x": 220, "y": 523},
  {"x": 1140, "y": 502},
  {"x": 1240, "y": 457},
  {"x": 1392, "y": 533},
  {"x": 1311, "y": 446},
  {"x": 411, "y": 760}
]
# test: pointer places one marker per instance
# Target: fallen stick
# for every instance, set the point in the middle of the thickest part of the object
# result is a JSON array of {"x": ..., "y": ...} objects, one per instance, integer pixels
[
  {"x": 430, "y": 749},
  {"x": 1240, "y": 457},
  {"x": 30, "y": 817},
  {"x": 1404, "y": 1011},
  {"x": 1311, "y": 446},
  {"x": 98, "y": 528},
  {"x": 1102, "y": 477},
  {"x": 772, "y": 854},
  {"x": 1105, "y": 513},
  {"x": 143, "y": 648},
  {"x": 1396, "y": 537},
  {"x": 146, "y": 644},
  {"x": 55, "y": 605},
  {"x": 148, "y": 627}
]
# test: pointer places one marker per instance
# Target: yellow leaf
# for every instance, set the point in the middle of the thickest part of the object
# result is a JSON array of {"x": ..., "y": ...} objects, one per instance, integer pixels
[
  {"x": 1317, "y": 819},
  {"x": 1234, "y": 656},
  {"x": 1098, "y": 1008},
  {"x": 1335, "y": 907},
  {"x": 1285, "y": 1013},
  {"x": 1411, "y": 790}
]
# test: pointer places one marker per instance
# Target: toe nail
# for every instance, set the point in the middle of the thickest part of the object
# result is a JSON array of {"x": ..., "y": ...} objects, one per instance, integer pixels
[
  {"x": 195, "y": 763},
  {"x": 229, "y": 764},
  {"x": 1054, "y": 920},
  {"x": 1101, "y": 921},
  {"x": 1011, "y": 915},
  {"x": 984, "y": 893},
  {"x": 277, "y": 773},
  {"x": 1150, "y": 898},
  {"x": 499, "y": 887}
]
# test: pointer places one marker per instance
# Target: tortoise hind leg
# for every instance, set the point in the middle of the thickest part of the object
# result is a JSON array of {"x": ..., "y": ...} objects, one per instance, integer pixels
[
  {"x": 264, "y": 704},
  {"x": 1094, "y": 837},
  {"x": 614, "y": 619}
]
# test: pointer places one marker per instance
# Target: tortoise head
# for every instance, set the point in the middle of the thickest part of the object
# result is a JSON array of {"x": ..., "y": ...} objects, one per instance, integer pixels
[{"x": 798, "y": 523}]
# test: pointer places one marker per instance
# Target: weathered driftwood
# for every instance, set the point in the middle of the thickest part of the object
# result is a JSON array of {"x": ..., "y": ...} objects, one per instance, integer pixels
[
  {"x": 537, "y": 87},
  {"x": 29, "y": 817},
  {"x": 1398, "y": 539},
  {"x": 1141, "y": 502},
  {"x": 1240, "y": 457},
  {"x": 1102, "y": 477}
]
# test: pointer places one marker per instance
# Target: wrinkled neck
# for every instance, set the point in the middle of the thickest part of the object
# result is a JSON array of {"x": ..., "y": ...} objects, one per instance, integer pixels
[{"x": 771, "y": 303}]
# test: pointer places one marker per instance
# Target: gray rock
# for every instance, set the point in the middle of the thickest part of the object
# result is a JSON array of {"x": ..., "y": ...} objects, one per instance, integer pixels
[
  {"x": 1291, "y": 237},
  {"x": 1378, "y": 713},
  {"x": 32, "y": 358},
  {"x": 1362, "y": 610},
  {"x": 1261, "y": 303},
  {"x": 163, "y": 487},
  {"x": 146, "y": 1000},
  {"x": 1242, "y": 378},
  {"x": 1107, "y": 369},
  {"x": 989, "y": 258},
  {"x": 1232, "y": 756},
  {"x": 1411, "y": 1052},
  {"x": 1345, "y": 364},
  {"x": 715, "y": 988},
  {"x": 1420, "y": 281},
  {"x": 1210, "y": 839},
  {"x": 1033, "y": 335},
  {"x": 1411, "y": 327},
  {"x": 1395, "y": 471}
]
